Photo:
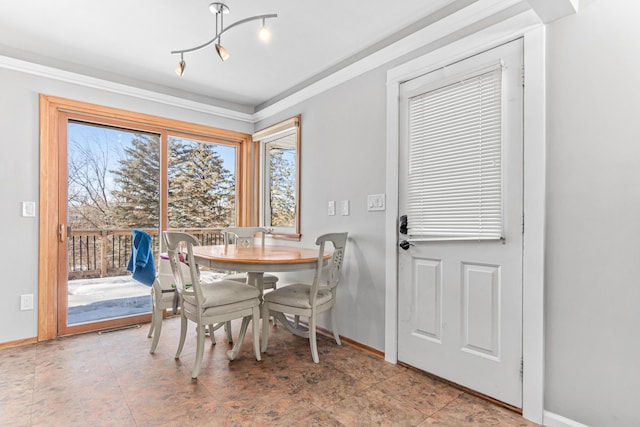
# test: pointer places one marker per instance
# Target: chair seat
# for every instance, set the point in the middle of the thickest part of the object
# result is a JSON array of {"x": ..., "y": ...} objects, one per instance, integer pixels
[
  {"x": 223, "y": 292},
  {"x": 242, "y": 277},
  {"x": 297, "y": 295}
]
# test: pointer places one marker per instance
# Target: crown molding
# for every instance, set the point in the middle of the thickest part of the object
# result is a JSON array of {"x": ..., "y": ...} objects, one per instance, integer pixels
[
  {"x": 552, "y": 10},
  {"x": 447, "y": 26},
  {"x": 121, "y": 89}
]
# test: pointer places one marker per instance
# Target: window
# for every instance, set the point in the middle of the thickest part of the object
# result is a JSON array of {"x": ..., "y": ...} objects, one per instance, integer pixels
[
  {"x": 455, "y": 160},
  {"x": 201, "y": 184},
  {"x": 280, "y": 178}
]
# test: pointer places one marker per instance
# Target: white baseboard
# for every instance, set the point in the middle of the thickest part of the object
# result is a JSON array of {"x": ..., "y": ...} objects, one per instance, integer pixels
[{"x": 555, "y": 420}]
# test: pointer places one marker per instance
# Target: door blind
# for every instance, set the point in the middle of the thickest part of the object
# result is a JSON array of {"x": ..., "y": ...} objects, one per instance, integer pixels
[{"x": 455, "y": 161}]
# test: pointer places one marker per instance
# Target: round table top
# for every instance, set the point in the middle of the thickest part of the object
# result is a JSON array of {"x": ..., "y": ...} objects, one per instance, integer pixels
[{"x": 268, "y": 254}]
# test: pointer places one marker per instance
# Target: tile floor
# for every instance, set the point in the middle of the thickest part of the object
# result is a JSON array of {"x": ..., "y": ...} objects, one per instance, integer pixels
[{"x": 110, "y": 379}]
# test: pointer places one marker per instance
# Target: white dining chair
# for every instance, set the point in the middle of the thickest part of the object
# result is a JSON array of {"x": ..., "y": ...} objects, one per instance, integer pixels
[
  {"x": 308, "y": 300},
  {"x": 207, "y": 304},
  {"x": 163, "y": 297},
  {"x": 245, "y": 236}
]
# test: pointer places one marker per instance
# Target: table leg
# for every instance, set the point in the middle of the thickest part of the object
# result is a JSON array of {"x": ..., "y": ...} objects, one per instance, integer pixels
[{"x": 257, "y": 280}]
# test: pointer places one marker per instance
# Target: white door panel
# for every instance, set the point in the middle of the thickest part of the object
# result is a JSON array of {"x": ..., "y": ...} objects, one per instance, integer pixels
[{"x": 460, "y": 301}]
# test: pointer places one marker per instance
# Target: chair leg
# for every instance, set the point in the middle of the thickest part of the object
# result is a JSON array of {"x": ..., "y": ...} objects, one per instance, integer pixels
[
  {"x": 233, "y": 353},
  {"x": 211, "y": 334},
  {"x": 199, "y": 351},
  {"x": 334, "y": 325},
  {"x": 156, "y": 327},
  {"x": 227, "y": 330},
  {"x": 265, "y": 326},
  {"x": 296, "y": 321},
  {"x": 153, "y": 315},
  {"x": 183, "y": 334},
  {"x": 255, "y": 324},
  {"x": 312, "y": 338}
]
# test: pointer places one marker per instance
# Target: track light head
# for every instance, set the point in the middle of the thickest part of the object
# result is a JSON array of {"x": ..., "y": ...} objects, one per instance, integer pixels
[
  {"x": 222, "y": 52},
  {"x": 180, "y": 67},
  {"x": 265, "y": 33}
]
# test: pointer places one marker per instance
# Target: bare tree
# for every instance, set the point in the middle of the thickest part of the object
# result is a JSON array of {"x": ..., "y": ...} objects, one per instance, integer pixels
[{"x": 88, "y": 198}]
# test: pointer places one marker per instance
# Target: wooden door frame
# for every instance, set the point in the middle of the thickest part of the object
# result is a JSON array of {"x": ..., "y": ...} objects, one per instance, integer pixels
[
  {"x": 534, "y": 192},
  {"x": 51, "y": 269}
]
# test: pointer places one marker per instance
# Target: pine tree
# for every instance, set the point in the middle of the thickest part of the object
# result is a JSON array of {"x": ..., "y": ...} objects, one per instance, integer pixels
[
  {"x": 283, "y": 188},
  {"x": 201, "y": 189},
  {"x": 137, "y": 180}
]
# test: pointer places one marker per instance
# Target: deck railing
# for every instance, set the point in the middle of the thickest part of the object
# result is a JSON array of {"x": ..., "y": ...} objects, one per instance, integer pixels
[{"x": 106, "y": 253}]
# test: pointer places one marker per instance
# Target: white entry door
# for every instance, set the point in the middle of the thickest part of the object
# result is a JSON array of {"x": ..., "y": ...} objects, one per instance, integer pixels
[{"x": 460, "y": 257}]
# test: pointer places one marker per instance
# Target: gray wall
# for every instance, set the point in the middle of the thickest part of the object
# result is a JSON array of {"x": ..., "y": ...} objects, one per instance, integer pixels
[
  {"x": 593, "y": 215},
  {"x": 342, "y": 158},
  {"x": 19, "y": 180}
]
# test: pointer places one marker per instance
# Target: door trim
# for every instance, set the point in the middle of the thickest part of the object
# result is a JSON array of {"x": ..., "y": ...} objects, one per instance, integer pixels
[{"x": 525, "y": 26}]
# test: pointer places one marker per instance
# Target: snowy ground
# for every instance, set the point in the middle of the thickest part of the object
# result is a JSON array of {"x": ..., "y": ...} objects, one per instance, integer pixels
[
  {"x": 90, "y": 300},
  {"x": 87, "y": 291}
]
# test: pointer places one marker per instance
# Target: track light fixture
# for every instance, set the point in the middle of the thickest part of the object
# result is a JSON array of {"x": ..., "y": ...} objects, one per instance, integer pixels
[{"x": 219, "y": 9}]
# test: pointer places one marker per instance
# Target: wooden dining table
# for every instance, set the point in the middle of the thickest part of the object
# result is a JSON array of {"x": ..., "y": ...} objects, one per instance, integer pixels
[{"x": 257, "y": 259}]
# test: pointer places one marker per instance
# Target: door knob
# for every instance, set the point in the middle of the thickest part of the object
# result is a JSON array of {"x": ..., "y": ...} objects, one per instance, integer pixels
[{"x": 405, "y": 245}]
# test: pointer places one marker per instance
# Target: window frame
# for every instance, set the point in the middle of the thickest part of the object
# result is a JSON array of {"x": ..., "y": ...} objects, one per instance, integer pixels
[{"x": 261, "y": 138}]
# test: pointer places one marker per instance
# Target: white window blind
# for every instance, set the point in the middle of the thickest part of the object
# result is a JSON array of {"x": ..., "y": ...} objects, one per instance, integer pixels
[{"x": 455, "y": 161}]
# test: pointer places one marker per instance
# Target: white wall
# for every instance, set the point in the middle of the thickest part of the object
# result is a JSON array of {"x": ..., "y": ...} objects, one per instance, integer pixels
[
  {"x": 19, "y": 180},
  {"x": 593, "y": 215}
]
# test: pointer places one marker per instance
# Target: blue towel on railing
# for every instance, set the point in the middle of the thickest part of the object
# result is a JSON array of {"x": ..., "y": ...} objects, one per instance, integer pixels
[{"x": 141, "y": 261}]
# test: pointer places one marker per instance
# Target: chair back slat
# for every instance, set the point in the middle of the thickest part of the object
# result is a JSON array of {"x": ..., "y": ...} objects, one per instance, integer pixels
[
  {"x": 339, "y": 241},
  {"x": 243, "y": 236},
  {"x": 185, "y": 286}
]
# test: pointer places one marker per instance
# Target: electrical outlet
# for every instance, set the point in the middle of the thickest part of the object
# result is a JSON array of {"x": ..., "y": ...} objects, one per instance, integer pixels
[{"x": 26, "y": 302}]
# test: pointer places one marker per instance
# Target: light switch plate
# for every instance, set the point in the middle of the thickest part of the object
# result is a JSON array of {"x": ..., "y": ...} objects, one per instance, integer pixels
[
  {"x": 375, "y": 202},
  {"x": 331, "y": 207},
  {"x": 28, "y": 209},
  {"x": 344, "y": 207},
  {"x": 26, "y": 302}
]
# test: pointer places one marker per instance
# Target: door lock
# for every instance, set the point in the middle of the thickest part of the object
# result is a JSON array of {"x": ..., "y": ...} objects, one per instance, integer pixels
[{"x": 403, "y": 224}]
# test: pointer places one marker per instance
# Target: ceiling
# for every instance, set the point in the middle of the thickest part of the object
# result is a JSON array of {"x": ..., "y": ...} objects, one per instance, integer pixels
[{"x": 129, "y": 42}]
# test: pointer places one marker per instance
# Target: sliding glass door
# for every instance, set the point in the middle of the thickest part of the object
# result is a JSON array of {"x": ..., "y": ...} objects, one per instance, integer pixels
[
  {"x": 113, "y": 186},
  {"x": 105, "y": 171}
]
